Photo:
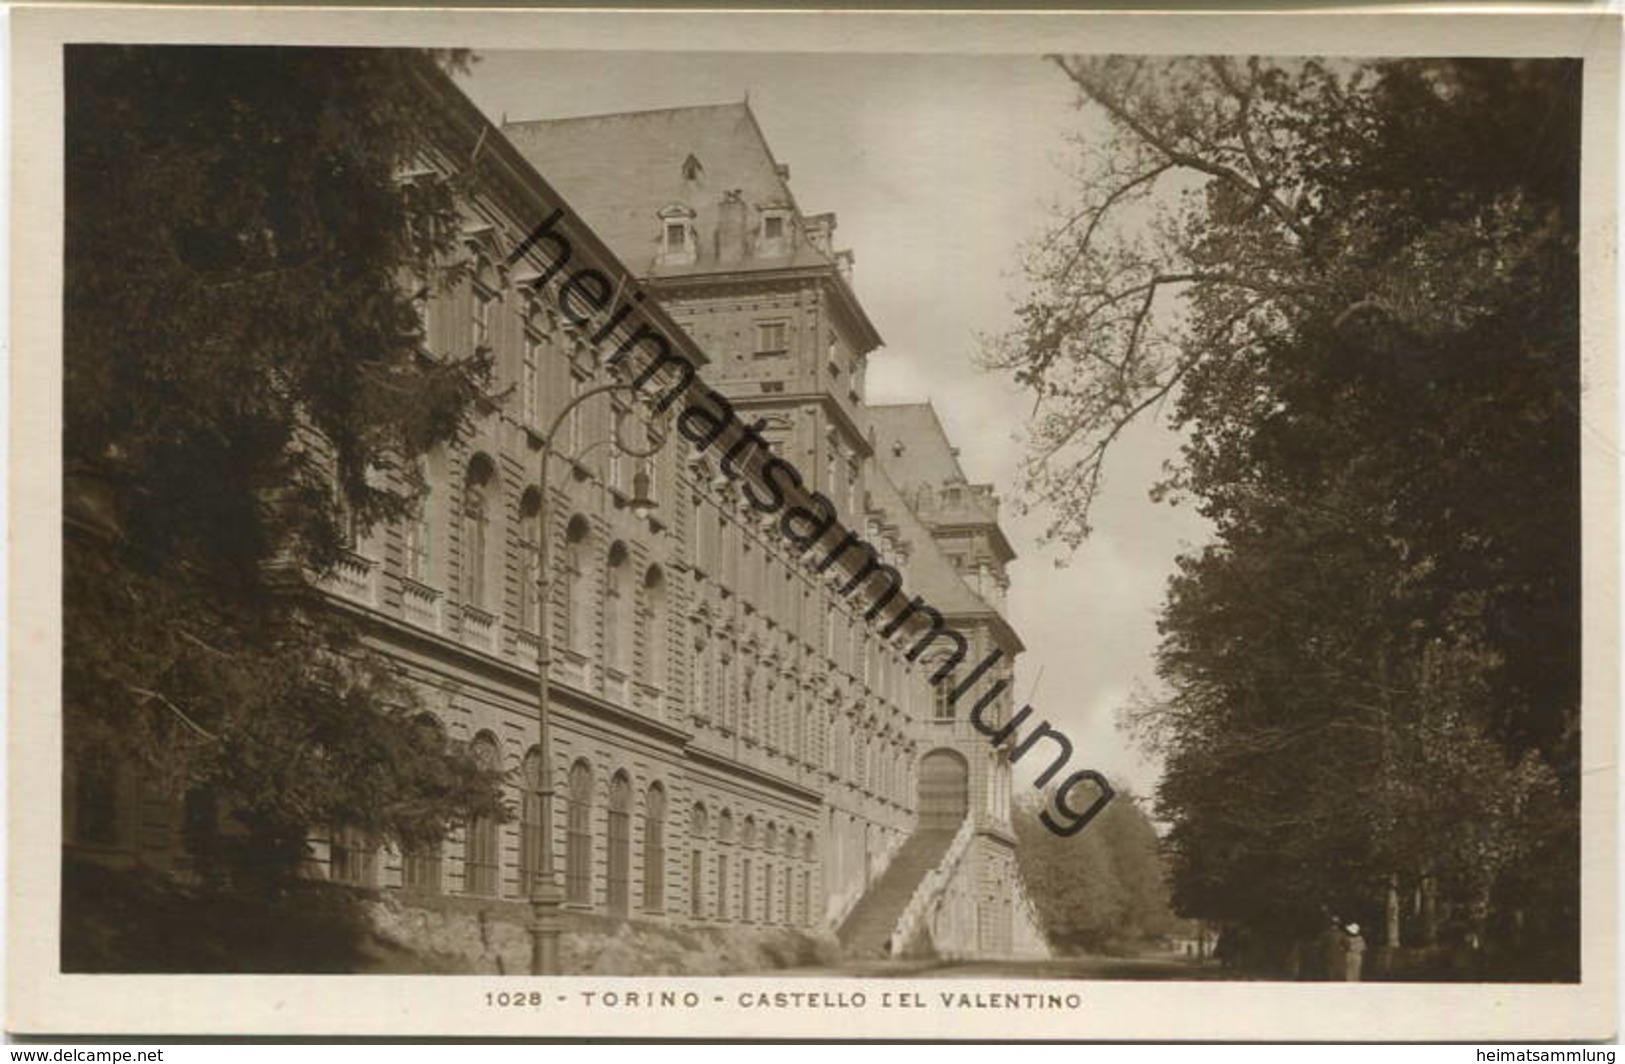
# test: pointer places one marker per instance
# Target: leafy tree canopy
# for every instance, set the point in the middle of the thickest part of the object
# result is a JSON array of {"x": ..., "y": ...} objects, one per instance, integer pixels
[
  {"x": 1104, "y": 891},
  {"x": 243, "y": 370},
  {"x": 1354, "y": 286}
]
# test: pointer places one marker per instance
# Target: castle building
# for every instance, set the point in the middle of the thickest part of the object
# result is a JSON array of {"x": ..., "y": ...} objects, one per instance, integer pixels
[
  {"x": 694, "y": 201},
  {"x": 735, "y": 740}
]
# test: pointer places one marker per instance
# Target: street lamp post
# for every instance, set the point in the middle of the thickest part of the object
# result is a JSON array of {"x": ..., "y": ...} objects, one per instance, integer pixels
[{"x": 546, "y": 895}]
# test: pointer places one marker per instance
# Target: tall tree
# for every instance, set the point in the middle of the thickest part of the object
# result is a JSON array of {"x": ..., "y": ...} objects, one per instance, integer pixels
[
  {"x": 244, "y": 380},
  {"x": 1355, "y": 284},
  {"x": 1103, "y": 891}
]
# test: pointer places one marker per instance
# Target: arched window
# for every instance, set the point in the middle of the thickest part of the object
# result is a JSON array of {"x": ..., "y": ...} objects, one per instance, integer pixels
[
  {"x": 768, "y": 872},
  {"x": 725, "y": 838},
  {"x": 578, "y": 853},
  {"x": 480, "y": 840},
  {"x": 748, "y": 842},
  {"x": 699, "y": 829},
  {"x": 795, "y": 728},
  {"x": 477, "y": 486},
  {"x": 792, "y": 851},
  {"x": 617, "y": 608},
  {"x": 704, "y": 651},
  {"x": 729, "y": 692},
  {"x": 532, "y": 829},
  {"x": 530, "y": 539},
  {"x": 620, "y": 844},
  {"x": 806, "y": 896},
  {"x": 654, "y": 849},
  {"x": 767, "y": 888},
  {"x": 575, "y": 603}
]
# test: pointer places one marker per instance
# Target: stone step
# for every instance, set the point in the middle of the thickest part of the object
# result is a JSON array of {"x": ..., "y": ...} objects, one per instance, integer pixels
[{"x": 867, "y": 929}]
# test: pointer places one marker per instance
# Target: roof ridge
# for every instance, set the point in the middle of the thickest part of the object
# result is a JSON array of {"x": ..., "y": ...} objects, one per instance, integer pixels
[{"x": 627, "y": 114}]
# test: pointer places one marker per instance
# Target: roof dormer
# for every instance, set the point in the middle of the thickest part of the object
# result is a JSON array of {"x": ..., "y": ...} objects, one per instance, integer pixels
[
  {"x": 773, "y": 231},
  {"x": 679, "y": 242}
]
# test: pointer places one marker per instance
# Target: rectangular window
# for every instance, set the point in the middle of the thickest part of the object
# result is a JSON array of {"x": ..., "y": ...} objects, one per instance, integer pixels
[
  {"x": 353, "y": 857},
  {"x": 420, "y": 867},
  {"x": 419, "y": 532},
  {"x": 773, "y": 227},
  {"x": 772, "y": 338},
  {"x": 730, "y": 555},
  {"x": 482, "y": 317},
  {"x": 578, "y": 385},
  {"x": 530, "y": 380},
  {"x": 423, "y": 304},
  {"x": 617, "y": 417},
  {"x": 480, "y": 861},
  {"x": 676, "y": 236}
]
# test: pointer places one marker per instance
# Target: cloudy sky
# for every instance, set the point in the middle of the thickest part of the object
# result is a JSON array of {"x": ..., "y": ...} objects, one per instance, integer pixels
[{"x": 939, "y": 167}]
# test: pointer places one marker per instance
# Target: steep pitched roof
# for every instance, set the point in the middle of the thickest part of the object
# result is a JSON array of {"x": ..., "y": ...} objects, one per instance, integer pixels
[
  {"x": 930, "y": 574},
  {"x": 621, "y": 170},
  {"x": 913, "y": 446}
]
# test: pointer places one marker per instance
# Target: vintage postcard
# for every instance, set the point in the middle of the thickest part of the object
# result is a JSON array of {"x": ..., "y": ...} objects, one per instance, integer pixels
[{"x": 859, "y": 525}]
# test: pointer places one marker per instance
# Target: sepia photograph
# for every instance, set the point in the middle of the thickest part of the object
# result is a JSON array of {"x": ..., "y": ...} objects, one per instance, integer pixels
[{"x": 986, "y": 527}]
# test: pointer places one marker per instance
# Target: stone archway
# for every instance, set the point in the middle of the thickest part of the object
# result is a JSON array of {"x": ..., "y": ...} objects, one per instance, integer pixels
[{"x": 944, "y": 790}]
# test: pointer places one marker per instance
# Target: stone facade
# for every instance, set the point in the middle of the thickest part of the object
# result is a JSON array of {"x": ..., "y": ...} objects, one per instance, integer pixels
[{"x": 733, "y": 744}]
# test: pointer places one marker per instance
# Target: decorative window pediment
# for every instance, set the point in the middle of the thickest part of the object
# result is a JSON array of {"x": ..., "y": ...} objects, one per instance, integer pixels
[
  {"x": 679, "y": 240},
  {"x": 485, "y": 245}
]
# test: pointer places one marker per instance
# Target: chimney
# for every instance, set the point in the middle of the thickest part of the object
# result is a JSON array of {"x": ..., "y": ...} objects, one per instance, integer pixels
[{"x": 731, "y": 233}]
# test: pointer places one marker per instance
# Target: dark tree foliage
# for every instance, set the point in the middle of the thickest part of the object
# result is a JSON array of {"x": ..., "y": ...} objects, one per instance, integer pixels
[
  {"x": 1360, "y": 295},
  {"x": 1102, "y": 892},
  {"x": 243, "y": 368}
]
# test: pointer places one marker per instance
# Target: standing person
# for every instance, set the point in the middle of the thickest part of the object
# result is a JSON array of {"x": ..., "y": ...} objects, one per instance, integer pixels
[
  {"x": 1353, "y": 954},
  {"x": 1331, "y": 951}
]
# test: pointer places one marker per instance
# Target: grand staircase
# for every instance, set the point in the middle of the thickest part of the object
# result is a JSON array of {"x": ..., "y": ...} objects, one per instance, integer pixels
[{"x": 867, "y": 930}]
